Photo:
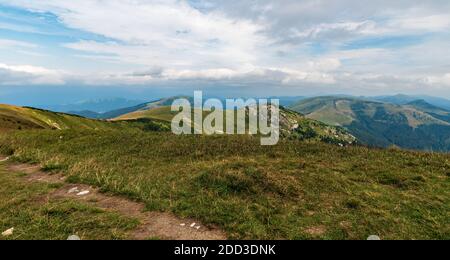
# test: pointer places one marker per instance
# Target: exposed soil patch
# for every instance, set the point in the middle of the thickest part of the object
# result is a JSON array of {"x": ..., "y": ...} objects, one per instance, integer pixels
[
  {"x": 316, "y": 231},
  {"x": 33, "y": 173},
  {"x": 153, "y": 224},
  {"x": 24, "y": 168}
]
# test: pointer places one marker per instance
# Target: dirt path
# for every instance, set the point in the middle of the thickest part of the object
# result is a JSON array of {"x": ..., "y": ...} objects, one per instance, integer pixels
[{"x": 153, "y": 224}]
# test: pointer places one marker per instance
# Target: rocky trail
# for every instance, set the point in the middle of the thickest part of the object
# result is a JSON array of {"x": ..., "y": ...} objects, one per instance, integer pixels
[{"x": 152, "y": 224}]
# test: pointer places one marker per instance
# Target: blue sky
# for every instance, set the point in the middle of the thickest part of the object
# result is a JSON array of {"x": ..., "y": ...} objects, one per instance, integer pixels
[{"x": 254, "y": 48}]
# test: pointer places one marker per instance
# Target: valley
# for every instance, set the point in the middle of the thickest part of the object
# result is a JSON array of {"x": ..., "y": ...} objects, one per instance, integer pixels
[{"x": 416, "y": 125}]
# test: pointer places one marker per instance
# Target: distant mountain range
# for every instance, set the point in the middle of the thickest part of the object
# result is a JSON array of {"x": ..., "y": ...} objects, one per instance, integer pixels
[
  {"x": 413, "y": 125},
  {"x": 96, "y": 106},
  {"x": 156, "y": 116},
  {"x": 288, "y": 101},
  {"x": 100, "y": 108},
  {"x": 411, "y": 122},
  {"x": 126, "y": 110},
  {"x": 405, "y": 99}
]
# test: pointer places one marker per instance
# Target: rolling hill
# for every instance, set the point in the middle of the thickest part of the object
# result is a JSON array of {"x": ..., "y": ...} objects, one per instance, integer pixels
[
  {"x": 27, "y": 118},
  {"x": 292, "y": 125},
  {"x": 432, "y": 110},
  {"x": 156, "y": 116},
  {"x": 294, "y": 190},
  {"x": 13, "y": 118},
  {"x": 405, "y": 99},
  {"x": 126, "y": 110},
  {"x": 415, "y": 125},
  {"x": 94, "y": 105}
]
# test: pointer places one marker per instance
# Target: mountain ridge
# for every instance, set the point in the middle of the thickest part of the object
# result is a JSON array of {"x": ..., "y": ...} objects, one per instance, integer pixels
[
  {"x": 417, "y": 125},
  {"x": 293, "y": 125}
]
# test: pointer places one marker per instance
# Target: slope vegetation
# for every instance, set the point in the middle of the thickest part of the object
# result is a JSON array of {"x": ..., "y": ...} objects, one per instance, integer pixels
[
  {"x": 292, "y": 125},
  {"x": 294, "y": 190},
  {"x": 13, "y": 117},
  {"x": 23, "y": 118},
  {"x": 126, "y": 110},
  {"x": 417, "y": 125}
]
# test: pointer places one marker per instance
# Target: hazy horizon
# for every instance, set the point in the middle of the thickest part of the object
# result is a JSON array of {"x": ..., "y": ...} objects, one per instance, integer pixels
[{"x": 40, "y": 100}]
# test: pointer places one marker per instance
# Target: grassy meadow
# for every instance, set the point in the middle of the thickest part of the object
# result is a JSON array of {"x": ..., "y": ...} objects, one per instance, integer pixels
[
  {"x": 295, "y": 190},
  {"x": 34, "y": 218}
]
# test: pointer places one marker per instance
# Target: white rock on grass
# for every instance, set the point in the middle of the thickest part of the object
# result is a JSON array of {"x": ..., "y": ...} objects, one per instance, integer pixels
[
  {"x": 183, "y": 225},
  {"x": 73, "y": 190},
  {"x": 86, "y": 192},
  {"x": 193, "y": 225},
  {"x": 73, "y": 238},
  {"x": 374, "y": 238},
  {"x": 8, "y": 232}
]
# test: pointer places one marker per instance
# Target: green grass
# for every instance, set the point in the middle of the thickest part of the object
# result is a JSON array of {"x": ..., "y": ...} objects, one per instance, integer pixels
[
  {"x": 256, "y": 192},
  {"x": 22, "y": 207},
  {"x": 160, "y": 113},
  {"x": 14, "y": 118},
  {"x": 292, "y": 125},
  {"x": 37, "y": 118}
]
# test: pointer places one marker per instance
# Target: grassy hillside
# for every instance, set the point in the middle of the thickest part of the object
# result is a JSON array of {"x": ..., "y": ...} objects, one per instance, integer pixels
[
  {"x": 417, "y": 125},
  {"x": 158, "y": 118},
  {"x": 432, "y": 110},
  {"x": 13, "y": 117},
  {"x": 54, "y": 219},
  {"x": 23, "y": 118},
  {"x": 292, "y": 125},
  {"x": 161, "y": 113},
  {"x": 295, "y": 190},
  {"x": 405, "y": 99},
  {"x": 126, "y": 110}
]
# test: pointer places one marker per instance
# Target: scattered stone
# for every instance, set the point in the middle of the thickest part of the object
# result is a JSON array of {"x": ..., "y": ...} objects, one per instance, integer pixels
[
  {"x": 197, "y": 227},
  {"x": 183, "y": 225},
  {"x": 8, "y": 232},
  {"x": 193, "y": 225},
  {"x": 86, "y": 192},
  {"x": 374, "y": 238},
  {"x": 4, "y": 160},
  {"x": 73, "y": 190},
  {"x": 73, "y": 237}
]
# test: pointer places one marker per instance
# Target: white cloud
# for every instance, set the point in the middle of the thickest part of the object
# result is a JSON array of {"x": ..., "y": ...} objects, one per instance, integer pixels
[
  {"x": 152, "y": 32},
  {"x": 263, "y": 76},
  {"x": 27, "y": 74},
  {"x": 440, "y": 80},
  {"x": 438, "y": 22},
  {"x": 285, "y": 43},
  {"x": 334, "y": 30}
]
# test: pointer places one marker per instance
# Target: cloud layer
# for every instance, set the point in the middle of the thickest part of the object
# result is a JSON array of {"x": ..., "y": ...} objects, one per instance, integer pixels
[{"x": 343, "y": 45}]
